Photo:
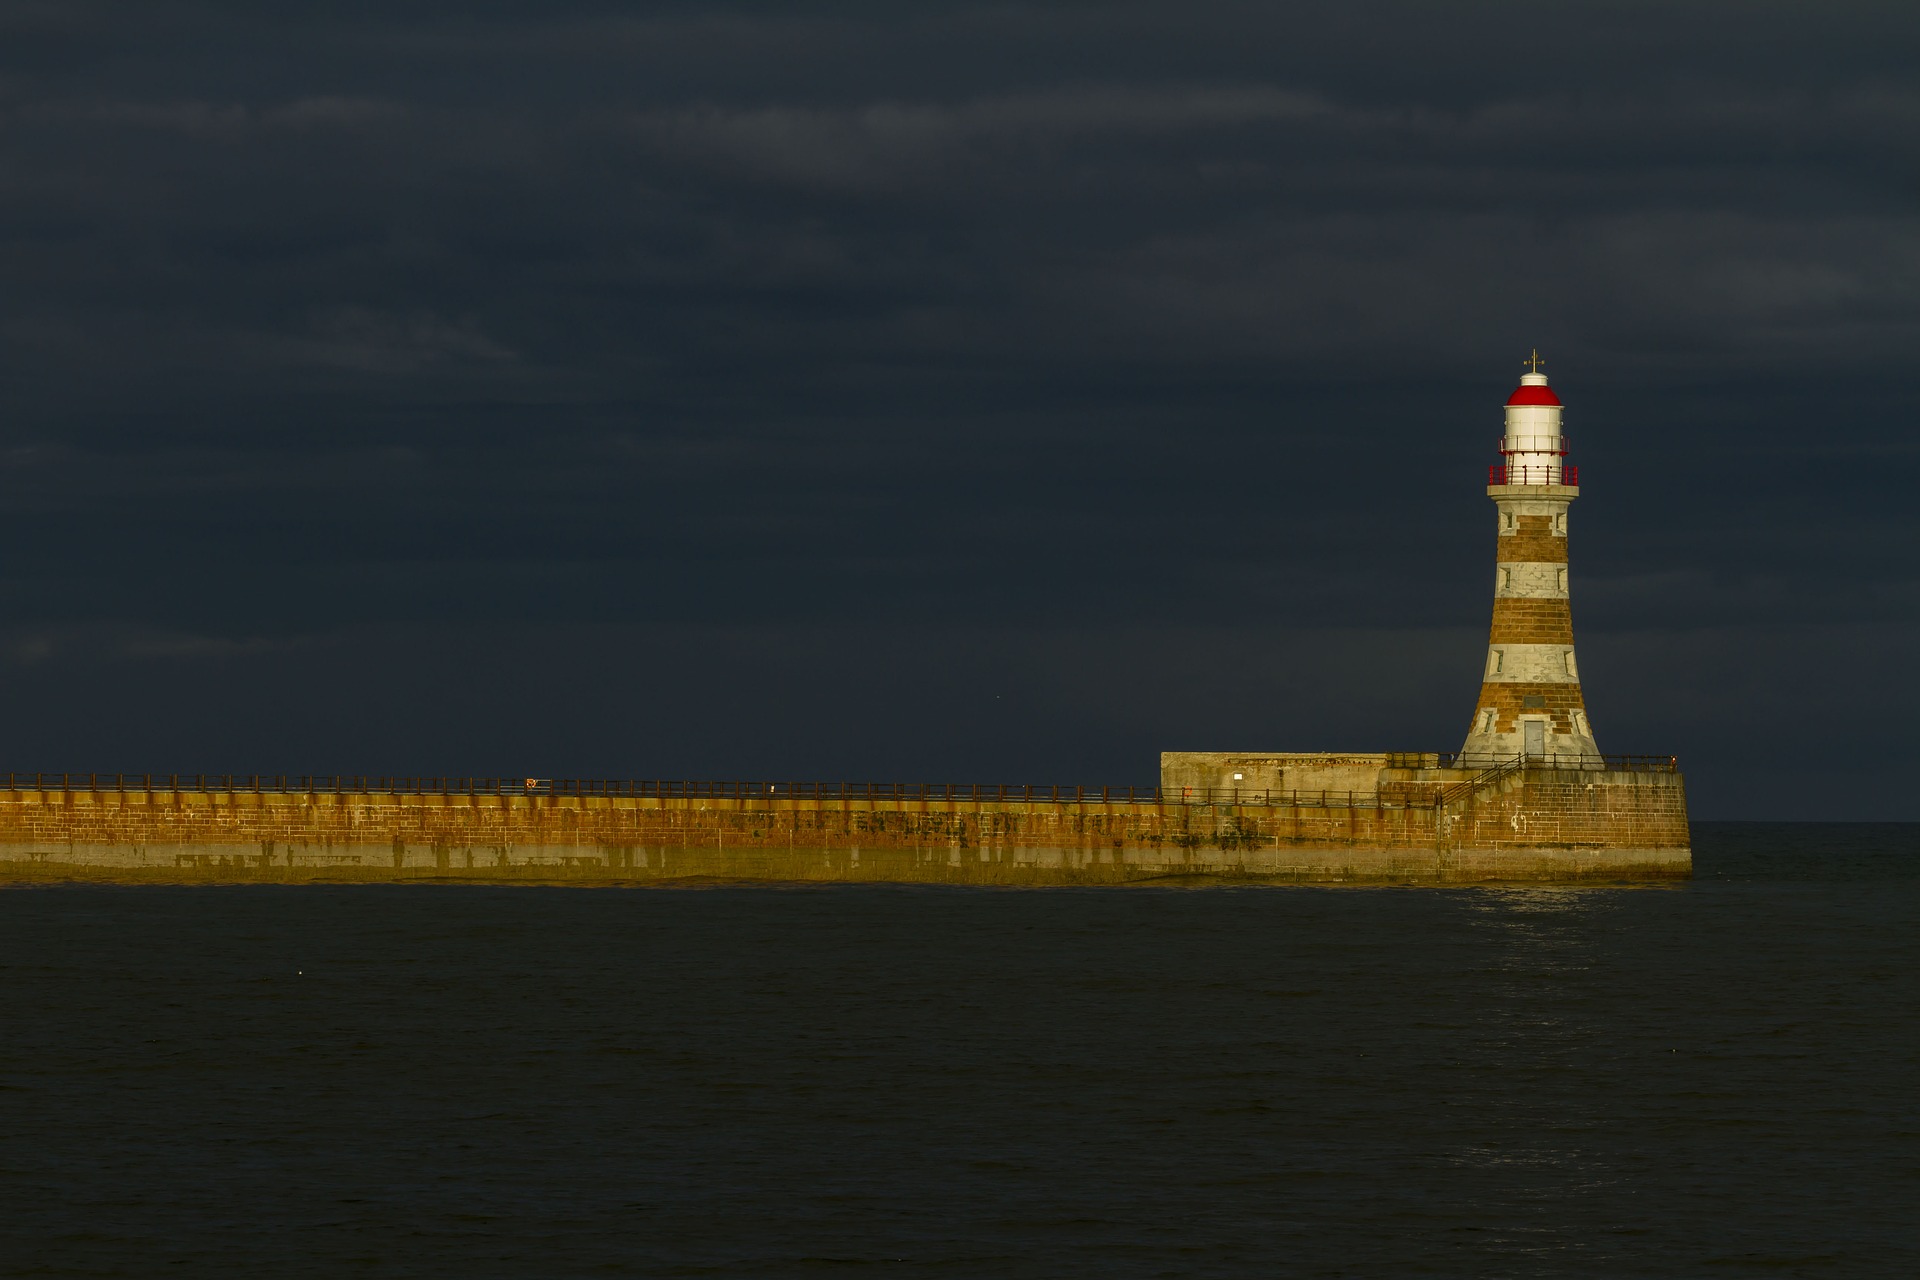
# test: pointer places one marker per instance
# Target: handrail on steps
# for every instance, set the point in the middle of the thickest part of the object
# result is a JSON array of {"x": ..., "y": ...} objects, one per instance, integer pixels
[{"x": 1481, "y": 781}]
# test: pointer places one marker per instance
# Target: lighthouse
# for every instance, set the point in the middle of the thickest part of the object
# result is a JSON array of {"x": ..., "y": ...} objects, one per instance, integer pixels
[{"x": 1530, "y": 700}]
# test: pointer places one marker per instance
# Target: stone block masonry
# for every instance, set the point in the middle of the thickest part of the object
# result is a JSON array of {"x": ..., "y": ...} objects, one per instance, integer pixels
[{"x": 1533, "y": 824}]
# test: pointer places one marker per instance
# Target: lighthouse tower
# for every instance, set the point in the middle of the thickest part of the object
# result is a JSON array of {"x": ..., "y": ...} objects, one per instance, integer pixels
[{"x": 1530, "y": 700}]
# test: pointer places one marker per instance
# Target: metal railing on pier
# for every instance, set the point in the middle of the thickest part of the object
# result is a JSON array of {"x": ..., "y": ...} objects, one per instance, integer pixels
[
  {"x": 1398, "y": 794},
  {"x": 1611, "y": 764}
]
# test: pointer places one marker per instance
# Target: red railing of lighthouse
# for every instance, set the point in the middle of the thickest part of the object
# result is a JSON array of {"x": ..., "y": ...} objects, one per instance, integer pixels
[{"x": 1499, "y": 474}]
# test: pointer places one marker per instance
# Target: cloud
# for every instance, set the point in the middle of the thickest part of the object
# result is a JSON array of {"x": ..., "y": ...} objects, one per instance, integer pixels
[
  {"x": 116, "y": 642},
  {"x": 218, "y": 121},
  {"x": 1069, "y": 318},
  {"x": 1549, "y": 141},
  {"x": 367, "y": 339},
  {"x": 860, "y": 145}
]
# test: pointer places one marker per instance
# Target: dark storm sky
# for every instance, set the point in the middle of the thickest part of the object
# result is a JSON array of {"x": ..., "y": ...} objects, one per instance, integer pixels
[{"x": 998, "y": 392}]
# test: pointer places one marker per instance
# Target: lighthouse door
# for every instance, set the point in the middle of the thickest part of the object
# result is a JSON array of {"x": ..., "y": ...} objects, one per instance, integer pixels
[{"x": 1536, "y": 737}]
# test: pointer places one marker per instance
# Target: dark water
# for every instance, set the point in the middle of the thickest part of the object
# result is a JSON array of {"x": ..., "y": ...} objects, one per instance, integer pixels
[{"x": 1717, "y": 1079}]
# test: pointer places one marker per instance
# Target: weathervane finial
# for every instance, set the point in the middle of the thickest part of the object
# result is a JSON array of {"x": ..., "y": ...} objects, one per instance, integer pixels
[{"x": 1534, "y": 361}]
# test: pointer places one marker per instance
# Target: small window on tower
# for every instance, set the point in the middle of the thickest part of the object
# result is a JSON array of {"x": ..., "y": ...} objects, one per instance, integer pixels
[
  {"x": 1486, "y": 721},
  {"x": 1506, "y": 579},
  {"x": 1560, "y": 524},
  {"x": 1499, "y": 661},
  {"x": 1506, "y": 519},
  {"x": 1571, "y": 669},
  {"x": 1563, "y": 579}
]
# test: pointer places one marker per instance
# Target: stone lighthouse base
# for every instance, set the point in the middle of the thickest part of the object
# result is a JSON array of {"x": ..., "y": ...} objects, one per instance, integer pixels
[{"x": 1544, "y": 818}]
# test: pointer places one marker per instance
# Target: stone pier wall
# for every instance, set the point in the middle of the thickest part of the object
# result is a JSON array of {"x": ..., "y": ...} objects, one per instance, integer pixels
[{"x": 1549, "y": 825}]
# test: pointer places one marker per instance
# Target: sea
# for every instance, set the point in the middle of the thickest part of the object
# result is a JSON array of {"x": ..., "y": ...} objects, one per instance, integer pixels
[{"x": 1715, "y": 1078}]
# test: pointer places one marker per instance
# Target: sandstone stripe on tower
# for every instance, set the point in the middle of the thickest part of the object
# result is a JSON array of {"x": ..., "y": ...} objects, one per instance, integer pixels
[
  {"x": 1533, "y": 541},
  {"x": 1564, "y": 703},
  {"x": 1520, "y": 620}
]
